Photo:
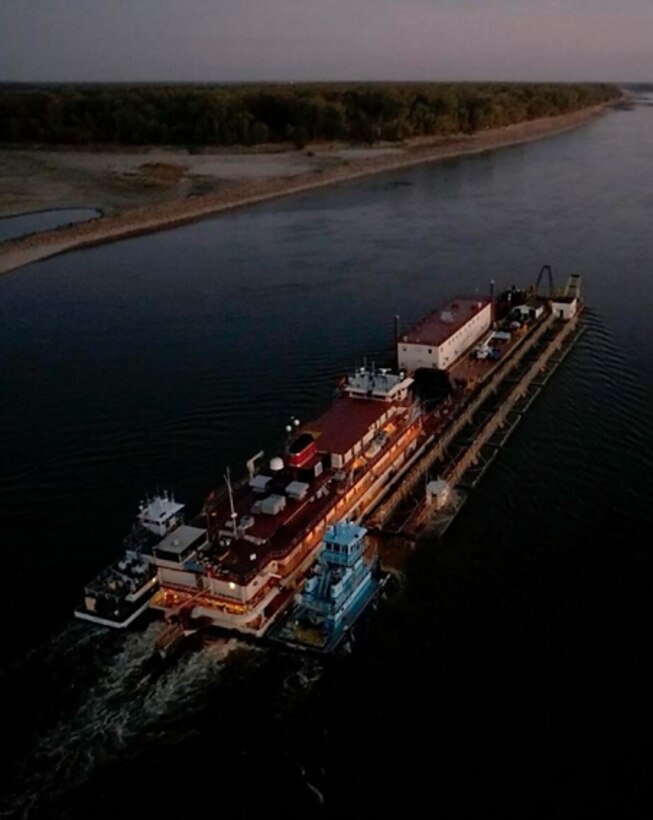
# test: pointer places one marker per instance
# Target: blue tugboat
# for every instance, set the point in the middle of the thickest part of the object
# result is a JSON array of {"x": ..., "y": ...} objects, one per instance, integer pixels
[{"x": 342, "y": 583}]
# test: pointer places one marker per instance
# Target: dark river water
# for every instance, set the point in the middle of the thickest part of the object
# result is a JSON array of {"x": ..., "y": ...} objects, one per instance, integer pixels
[{"x": 511, "y": 677}]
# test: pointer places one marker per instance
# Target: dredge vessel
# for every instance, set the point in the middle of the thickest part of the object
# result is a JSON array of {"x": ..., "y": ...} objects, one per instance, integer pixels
[
  {"x": 241, "y": 564},
  {"x": 240, "y": 561}
]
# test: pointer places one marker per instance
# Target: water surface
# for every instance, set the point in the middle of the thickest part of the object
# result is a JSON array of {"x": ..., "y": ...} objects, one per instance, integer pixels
[{"x": 520, "y": 644}]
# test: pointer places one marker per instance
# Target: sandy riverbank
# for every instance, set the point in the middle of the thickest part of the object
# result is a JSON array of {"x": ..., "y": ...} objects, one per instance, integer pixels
[{"x": 141, "y": 192}]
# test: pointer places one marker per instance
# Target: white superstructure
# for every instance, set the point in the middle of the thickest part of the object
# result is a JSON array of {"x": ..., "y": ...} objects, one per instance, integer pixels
[
  {"x": 160, "y": 514},
  {"x": 564, "y": 307},
  {"x": 379, "y": 383},
  {"x": 443, "y": 336}
]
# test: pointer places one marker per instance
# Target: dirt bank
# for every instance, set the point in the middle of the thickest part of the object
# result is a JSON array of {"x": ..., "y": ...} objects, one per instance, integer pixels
[{"x": 232, "y": 181}]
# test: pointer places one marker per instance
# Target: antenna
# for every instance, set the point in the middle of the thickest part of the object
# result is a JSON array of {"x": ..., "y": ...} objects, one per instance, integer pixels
[
  {"x": 292, "y": 425},
  {"x": 227, "y": 478}
]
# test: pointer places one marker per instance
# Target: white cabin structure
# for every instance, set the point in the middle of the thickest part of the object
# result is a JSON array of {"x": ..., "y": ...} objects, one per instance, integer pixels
[{"x": 443, "y": 336}]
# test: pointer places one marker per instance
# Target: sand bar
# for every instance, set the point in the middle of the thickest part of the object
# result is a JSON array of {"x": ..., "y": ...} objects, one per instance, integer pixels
[{"x": 238, "y": 180}]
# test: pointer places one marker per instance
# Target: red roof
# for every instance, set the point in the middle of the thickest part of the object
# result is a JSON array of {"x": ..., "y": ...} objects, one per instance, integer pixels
[
  {"x": 434, "y": 330},
  {"x": 336, "y": 431},
  {"x": 345, "y": 423},
  {"x": 277, "y": 530}
]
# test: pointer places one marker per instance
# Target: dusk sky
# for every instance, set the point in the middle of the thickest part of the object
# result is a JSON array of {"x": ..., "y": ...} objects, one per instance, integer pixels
[{"x": 227, "y": 40}]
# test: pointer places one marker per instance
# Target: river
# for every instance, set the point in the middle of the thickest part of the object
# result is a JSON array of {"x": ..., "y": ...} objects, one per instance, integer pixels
[{"x": 516, "y": 656}]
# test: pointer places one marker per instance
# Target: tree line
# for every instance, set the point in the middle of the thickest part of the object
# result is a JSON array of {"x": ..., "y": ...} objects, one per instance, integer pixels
[{"x": 227, "y": 115}]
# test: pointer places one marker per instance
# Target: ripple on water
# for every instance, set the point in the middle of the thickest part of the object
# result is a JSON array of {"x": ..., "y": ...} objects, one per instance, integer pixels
[{"x": 164, "y": 358}]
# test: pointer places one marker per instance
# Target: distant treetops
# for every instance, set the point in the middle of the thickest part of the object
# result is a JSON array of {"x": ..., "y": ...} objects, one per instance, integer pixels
[{"x": 224, "y": 115}]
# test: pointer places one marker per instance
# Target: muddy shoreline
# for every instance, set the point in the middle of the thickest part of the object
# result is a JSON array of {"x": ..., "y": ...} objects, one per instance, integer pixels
[{"x": 250, "y": 189}]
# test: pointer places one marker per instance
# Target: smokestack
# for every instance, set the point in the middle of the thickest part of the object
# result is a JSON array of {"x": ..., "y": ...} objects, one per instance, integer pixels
[{"x": 492, "y": 301}]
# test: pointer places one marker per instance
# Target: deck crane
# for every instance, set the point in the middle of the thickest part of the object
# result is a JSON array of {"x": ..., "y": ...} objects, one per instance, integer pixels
[{"x": 547, "y": 269}]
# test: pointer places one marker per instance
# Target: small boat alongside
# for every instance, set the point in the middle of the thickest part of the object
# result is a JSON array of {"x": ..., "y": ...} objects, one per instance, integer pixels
[
  {"x": 343, "y": 582},
  {"x": 122, "y": 592}
]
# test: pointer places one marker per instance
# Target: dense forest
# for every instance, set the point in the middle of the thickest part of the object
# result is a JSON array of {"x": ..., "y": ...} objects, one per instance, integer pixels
[{"x": 256, "y": 114}]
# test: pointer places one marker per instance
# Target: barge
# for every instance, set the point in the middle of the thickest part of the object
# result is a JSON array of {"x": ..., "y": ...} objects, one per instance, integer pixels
[{"x": 281, "y": 552}]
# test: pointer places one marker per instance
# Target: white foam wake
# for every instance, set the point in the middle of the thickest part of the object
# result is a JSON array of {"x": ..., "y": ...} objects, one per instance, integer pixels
[{"x": 131, "y": 700}]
